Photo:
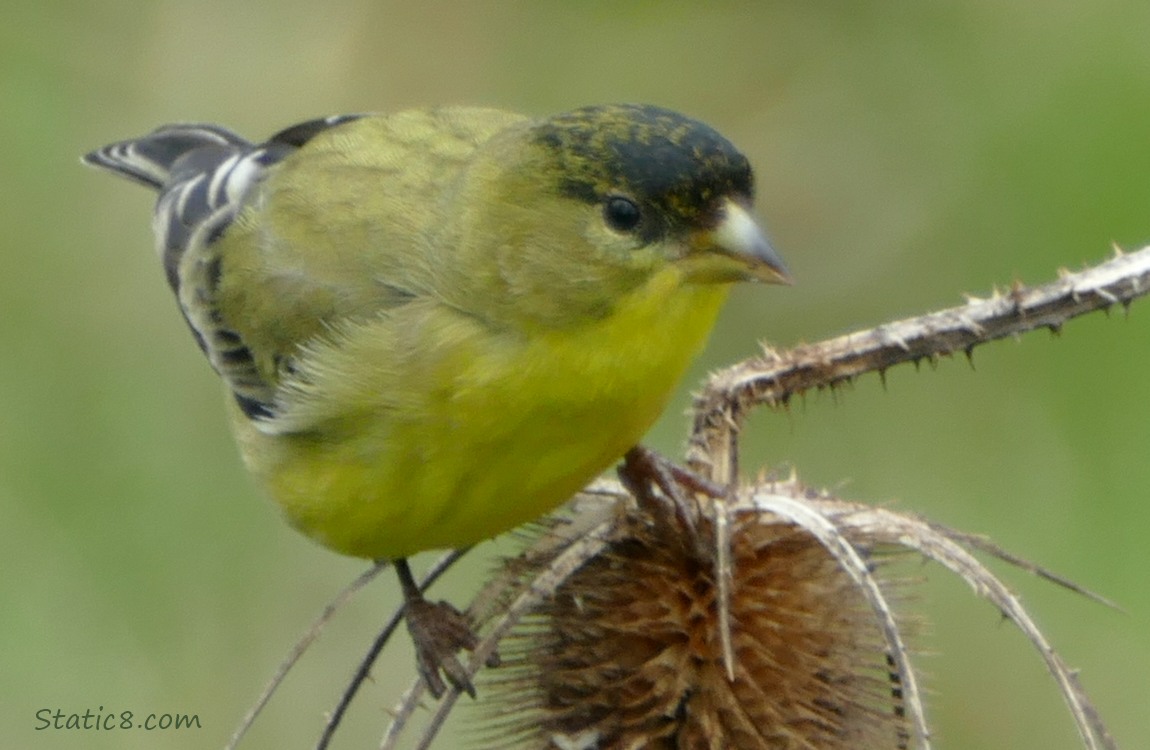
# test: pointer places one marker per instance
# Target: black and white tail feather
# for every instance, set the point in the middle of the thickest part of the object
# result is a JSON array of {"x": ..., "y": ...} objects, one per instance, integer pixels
[{"x": 204, "y": 174}]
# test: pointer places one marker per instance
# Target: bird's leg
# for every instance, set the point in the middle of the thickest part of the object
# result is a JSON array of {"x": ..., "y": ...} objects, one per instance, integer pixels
[
  {"x": 644, "y": 469},
  {"x": 440, "y": 632}
]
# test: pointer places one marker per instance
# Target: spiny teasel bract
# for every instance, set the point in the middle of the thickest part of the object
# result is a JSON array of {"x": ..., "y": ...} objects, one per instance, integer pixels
[{"x": 627, "y": 653}]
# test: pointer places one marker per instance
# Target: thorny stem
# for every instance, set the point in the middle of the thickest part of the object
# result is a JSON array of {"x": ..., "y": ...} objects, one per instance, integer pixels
[{"x": 775, "y": 377}]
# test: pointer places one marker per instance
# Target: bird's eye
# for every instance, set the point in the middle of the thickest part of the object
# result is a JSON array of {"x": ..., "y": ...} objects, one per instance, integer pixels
[{"x": 621, "y": 214}]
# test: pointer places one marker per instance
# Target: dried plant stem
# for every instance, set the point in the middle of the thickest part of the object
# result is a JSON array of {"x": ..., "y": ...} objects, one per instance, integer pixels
[
  {"x": 362, "y": 672},
  {"x": 336, "y": 604},
  {"x": 776, "y": 376}
]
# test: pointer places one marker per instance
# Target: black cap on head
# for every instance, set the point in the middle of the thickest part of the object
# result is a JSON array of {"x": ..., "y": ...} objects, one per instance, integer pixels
[{"x": 678, "y": 165}]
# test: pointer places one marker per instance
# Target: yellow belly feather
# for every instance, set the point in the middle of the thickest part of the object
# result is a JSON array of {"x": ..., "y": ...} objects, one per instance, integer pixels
[{"x": 511, "y": 431}]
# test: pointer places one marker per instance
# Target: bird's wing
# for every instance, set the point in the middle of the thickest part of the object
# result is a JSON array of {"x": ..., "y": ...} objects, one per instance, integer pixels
[
  {"x": 273, "y": 249},
  {"x": 204, "y": 175}
]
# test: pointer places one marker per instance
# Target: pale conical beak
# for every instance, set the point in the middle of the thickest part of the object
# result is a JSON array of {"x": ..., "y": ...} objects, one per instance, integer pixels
[{"x": 737, "y": 237}]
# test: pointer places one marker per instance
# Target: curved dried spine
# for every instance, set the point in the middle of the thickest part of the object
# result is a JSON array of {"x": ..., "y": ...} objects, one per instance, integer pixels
[{"x": 950, "y": 550}]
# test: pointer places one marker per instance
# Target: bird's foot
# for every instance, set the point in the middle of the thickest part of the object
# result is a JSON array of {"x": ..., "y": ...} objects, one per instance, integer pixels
[
  {"x": 643, "y": 470},
  {"x": 439, "y": 632}
]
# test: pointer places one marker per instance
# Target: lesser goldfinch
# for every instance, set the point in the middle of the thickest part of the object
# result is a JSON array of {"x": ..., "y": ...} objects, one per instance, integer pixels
[{"x": 438, "y": 324}]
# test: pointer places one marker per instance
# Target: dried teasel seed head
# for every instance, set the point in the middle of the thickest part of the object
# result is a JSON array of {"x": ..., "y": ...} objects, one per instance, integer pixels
[{"x": 627, "y": 653}]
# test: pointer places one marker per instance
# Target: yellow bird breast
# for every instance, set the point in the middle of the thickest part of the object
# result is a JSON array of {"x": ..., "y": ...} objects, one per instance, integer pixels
[{"x": 490, "y": 432}]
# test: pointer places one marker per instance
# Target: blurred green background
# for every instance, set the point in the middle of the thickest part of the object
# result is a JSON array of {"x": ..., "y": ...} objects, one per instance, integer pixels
[{"x": 907, "y": 152}]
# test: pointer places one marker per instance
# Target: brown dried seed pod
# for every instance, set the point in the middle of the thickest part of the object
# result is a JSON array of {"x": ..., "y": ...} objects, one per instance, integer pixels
[{"x": 627, "y": 654}]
